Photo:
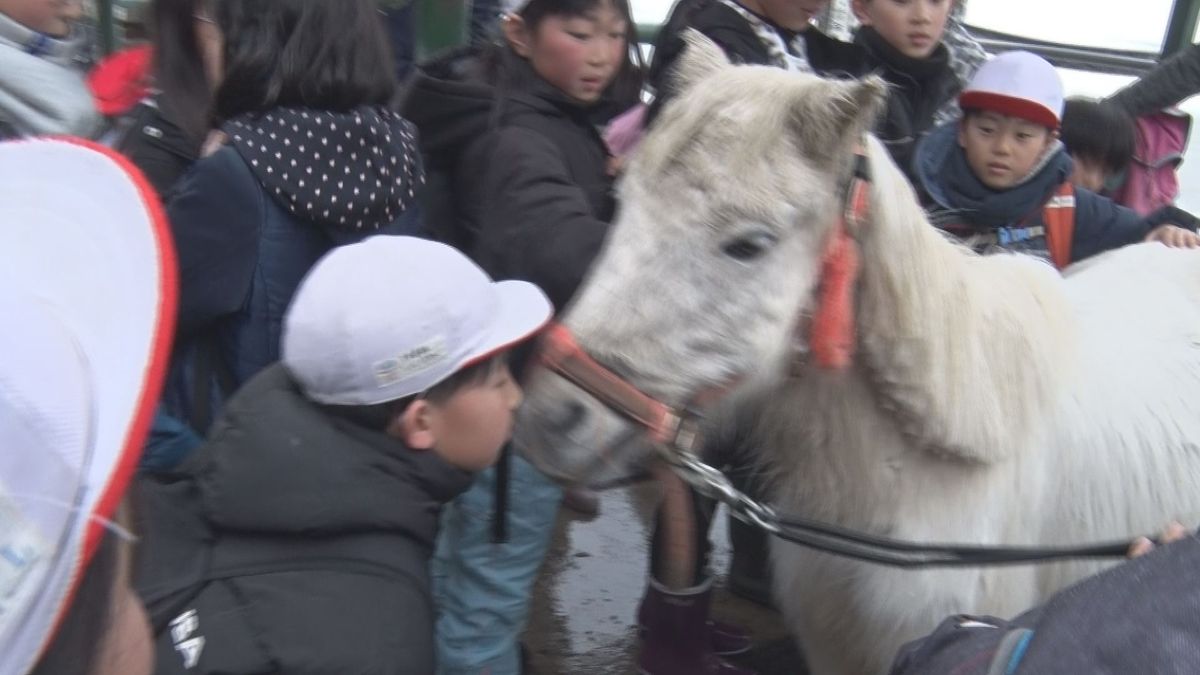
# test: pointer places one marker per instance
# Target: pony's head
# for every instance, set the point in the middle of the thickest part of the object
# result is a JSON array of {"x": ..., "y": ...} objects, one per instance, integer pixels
[{"x": 715, "y": 256}]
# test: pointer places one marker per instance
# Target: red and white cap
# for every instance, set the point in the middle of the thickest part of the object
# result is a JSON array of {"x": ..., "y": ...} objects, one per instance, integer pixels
[
  {"x": 1019, "y": 84},
  {"x": 390, "y": 317},
  {"x": 87, "y": 292}
]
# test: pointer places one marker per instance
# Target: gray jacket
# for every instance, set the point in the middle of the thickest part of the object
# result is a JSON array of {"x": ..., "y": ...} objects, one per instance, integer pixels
[
  {"x": 41, "y": 91},
  {"x": 1169, "y": 83}
]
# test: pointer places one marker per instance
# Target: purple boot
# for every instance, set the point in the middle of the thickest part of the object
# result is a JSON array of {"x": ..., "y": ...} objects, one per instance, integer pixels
[
  {"x": 725, "y": 639},
  {"x": 679, "y": 638}
]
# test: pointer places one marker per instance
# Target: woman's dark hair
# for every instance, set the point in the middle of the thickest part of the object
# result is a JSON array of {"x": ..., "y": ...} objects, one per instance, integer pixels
[
  {"x": 625, "y": 89},
  {"x": 81, "y": 634},
  {"x": 179, "y": 66},
  {"x": 1099, "y": 132},
  {"x": 380, "y": 415},
  {"x": 323, "y": 54}
]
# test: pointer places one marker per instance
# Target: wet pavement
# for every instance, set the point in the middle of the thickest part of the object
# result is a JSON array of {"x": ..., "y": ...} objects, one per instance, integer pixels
[{"x": 582, "y": 619}]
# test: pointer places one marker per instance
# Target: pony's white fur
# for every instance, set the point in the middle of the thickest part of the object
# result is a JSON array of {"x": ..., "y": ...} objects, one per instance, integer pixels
[{"x": 992, "y": 400}]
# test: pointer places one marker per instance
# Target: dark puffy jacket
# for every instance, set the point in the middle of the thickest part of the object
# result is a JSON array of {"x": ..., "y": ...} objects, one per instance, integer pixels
[
  {"x": 251, "y": 219},
  {"x": 527, "y": 172},
  {"x": 1166, "y": 85},
  {"x": 1139, "y": 617},
  {"x": 734, "y": 35},
  {"x": 294, "y": 541},
  {"x": 158, "y": 146},
  {"x": 959, "y": 201}
]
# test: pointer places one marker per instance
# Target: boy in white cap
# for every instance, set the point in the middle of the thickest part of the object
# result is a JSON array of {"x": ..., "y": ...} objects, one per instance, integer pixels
[
  {"x": 298, "y": 538},
  {"x": 1000, "y": 177}
]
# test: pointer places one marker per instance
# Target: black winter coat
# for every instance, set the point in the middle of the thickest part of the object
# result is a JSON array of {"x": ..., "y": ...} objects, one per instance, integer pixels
[
  {"x": 1169, "y": 83},
  {"x": 919, "y": 89},
  {"x": 294, "y": 541},
  {"x": 524, "y": 169},
  {"x": 730, "y": 31},
  {"x": 158, "y": 146}
]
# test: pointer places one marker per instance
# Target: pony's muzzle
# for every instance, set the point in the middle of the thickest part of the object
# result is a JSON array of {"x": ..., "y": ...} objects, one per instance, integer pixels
[{"x": 572, "y": 437}]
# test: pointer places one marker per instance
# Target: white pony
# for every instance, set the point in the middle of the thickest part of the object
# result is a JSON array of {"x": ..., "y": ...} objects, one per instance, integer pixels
[{"x": 990, "y": 400}]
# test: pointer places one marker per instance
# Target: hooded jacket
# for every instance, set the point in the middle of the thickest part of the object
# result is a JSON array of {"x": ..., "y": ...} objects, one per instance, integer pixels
[
  {"x": 921, "y": 91},
  {"x": 521, "y": 170},
  {"x": 737, "y": 38},
  {"x": 251, "y": 219},
  {"x": 294, "y": 541},
  {"x": 958, "y": 201},
  {"x": 41, "y": 90}
]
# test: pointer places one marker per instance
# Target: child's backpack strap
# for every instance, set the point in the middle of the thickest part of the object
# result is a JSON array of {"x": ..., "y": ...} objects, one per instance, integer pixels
[{"x": 1058, "y": 215}]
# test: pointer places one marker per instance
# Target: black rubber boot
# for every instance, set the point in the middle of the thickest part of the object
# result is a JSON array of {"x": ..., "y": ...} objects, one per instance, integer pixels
[{"x": 678, "y": 639}]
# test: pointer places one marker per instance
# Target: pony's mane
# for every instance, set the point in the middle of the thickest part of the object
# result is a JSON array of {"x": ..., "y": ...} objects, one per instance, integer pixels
[{"x": 967, "y": 349}]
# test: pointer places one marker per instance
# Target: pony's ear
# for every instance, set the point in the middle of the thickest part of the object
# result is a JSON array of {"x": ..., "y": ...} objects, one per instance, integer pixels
[
  {"x": 701, "y": 58},
  {"x": 831, "y": 121}
]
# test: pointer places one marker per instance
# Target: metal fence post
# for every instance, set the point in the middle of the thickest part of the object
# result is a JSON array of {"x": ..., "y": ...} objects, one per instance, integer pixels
[
  {"x": 105, "y": 26},
  {"x": 1182, "y": 27}
]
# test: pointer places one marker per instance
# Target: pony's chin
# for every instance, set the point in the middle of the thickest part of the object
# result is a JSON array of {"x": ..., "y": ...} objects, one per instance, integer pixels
[{"x": 621, "y": 461}]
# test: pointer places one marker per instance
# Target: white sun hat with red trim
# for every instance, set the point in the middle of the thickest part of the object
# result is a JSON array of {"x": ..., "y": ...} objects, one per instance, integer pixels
[
  {"x": 391, "y": 316},
  {"x": 1019, "y": 84},
  {"x": 87, "y": 292}
]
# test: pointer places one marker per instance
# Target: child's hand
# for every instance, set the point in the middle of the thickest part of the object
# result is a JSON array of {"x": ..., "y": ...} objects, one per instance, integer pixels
[
  {"x": 615, "y": 166},
  {"x": 1174, "y": 236},
  {"x": 1142, "y": 546}
]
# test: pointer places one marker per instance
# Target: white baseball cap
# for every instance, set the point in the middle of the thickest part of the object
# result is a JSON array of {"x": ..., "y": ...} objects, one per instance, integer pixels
[
  {"x": 1017, "y": 83},
  {"x": 390, "y": 317},
  {"x": 87, "y": 291}
]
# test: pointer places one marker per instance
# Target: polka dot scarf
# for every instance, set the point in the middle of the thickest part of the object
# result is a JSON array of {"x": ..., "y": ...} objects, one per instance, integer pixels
[{"x": 357, "y": 170}]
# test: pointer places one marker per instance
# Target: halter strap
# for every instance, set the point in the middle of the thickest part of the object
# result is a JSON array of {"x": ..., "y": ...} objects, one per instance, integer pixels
[
  {"x": 561, "y": 353},
  {"x": 830, "y": 332}
]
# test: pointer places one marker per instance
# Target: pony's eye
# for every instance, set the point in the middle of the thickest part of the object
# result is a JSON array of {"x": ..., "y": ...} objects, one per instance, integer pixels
[{"x": 750, "y": 246}]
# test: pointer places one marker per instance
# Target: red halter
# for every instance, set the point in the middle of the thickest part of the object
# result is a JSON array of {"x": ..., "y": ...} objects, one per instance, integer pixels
[{"x": 830, "y": 331}]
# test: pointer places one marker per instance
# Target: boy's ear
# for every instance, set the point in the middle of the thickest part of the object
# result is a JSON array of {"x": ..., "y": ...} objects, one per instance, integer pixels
[
  {"x": 516, "y": 32},
  {"x": 415, "y": 425},
  {"x": 1051, "y": 138},
  {"x": 859, "y": 7}
]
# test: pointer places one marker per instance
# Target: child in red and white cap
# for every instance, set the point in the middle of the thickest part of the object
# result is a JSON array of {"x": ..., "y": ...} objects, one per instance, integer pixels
[{"x": 1000, "y": 178}]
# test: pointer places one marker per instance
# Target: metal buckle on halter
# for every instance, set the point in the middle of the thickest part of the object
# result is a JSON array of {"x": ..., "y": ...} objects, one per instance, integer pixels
[{"x": 686, "y": 435}]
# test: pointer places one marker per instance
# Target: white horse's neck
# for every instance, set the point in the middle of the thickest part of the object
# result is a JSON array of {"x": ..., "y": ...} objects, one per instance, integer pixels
[{"x": 968, "y": 350}]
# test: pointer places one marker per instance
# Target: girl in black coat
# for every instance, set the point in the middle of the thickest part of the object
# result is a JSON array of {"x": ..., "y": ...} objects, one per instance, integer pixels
[{"x": 520, "y": 181}]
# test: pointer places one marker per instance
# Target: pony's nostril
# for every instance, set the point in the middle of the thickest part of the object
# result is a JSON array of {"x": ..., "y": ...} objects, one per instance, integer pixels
[{"x": 573, "y": 415}]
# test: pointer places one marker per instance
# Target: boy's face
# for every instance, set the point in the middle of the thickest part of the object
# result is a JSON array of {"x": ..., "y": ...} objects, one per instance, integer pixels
[
  {"x": 52, "y": 17},
  {"x": 914, "y": 27},
  {"x": 1002, "y": 150},
  {"x": 470, "y": 427}
]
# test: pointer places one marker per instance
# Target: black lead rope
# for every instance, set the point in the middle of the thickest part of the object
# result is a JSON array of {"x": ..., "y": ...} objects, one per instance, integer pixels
[{"x": 882, "y": 550}]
